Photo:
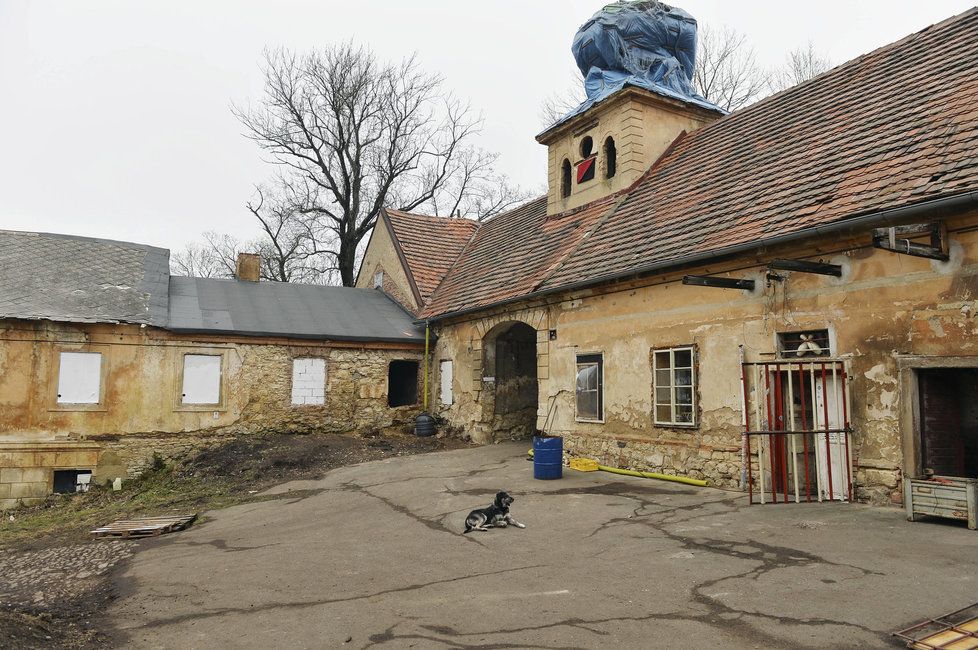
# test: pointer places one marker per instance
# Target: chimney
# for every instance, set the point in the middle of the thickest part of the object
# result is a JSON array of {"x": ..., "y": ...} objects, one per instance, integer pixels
[{"x": 247, "y": 268}]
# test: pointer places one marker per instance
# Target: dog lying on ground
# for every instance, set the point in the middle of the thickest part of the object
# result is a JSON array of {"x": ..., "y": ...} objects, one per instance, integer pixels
[{"x": 495, "y": 516}]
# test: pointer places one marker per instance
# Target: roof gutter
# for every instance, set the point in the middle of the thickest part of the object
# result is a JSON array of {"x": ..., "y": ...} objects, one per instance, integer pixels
[{"x": 881, "y": 217}]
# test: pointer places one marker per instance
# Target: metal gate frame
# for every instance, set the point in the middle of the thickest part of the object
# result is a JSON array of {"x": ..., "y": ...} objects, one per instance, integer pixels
[{"x": 770, "y": 382}]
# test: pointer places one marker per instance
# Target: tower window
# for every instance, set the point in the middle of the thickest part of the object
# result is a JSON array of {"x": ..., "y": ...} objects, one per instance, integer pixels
[
  {"x": 565, "y": 178},
  {"x": 610, "y": 157},
  {"x": 587, "y": 146}
]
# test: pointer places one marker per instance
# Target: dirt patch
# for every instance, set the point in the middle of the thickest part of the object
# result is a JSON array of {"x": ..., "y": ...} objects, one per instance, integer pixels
[{"x": 54, "y": 580}]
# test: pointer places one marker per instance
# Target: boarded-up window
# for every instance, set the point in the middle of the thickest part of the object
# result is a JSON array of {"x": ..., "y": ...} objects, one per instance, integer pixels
[
  {"x": 79, "y": 378},
  {"x": 589, "y": 388},
  {"x": 201, "y": 379},
  {"x": 308, "y": 381},
  {"x": 674, "y": 386},
  {"x": 446, "y": 382},
  {"x": 402, "y": 383}
]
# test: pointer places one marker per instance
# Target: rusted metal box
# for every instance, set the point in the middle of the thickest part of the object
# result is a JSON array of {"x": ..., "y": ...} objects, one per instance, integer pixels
[{"x": 947, "y": 496}]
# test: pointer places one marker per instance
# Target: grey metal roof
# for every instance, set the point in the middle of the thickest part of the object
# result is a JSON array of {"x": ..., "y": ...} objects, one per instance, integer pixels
[
  {"x": 80, "y": 279},
  {"x": 289, "y": 310}
]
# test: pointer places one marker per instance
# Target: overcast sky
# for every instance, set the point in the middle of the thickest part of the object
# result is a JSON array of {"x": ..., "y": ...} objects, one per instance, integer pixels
[{"x": 115, "y": 114}]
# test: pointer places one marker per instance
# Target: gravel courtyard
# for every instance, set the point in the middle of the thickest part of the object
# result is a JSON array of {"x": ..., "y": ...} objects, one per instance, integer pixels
[{"x": 371, "y": 556}]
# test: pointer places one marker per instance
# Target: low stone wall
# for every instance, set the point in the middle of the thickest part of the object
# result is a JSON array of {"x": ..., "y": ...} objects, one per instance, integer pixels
[
  {"x": 718, "y": 465},
  {"x": 27, "y": 469}
]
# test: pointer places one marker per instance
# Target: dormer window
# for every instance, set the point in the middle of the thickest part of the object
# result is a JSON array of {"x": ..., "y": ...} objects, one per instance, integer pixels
[
  {"x": 610, "y": 157},
  {"x": 565, "y": 179}
]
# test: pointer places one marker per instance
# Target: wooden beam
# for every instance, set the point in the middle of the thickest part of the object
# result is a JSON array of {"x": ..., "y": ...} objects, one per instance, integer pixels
[
  {"x": 804, "y": 266},
  {"x": 719, "y": 283},
  {"x": 896, "y": 239}
]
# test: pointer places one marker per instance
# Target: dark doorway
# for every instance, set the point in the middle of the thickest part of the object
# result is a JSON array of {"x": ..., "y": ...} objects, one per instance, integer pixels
[
  {"x": 402, "y": 383},
  {"x": 949, "y": 421},
  {"x": 515, "y": 409},
  {"x": 69, "y": 481}
]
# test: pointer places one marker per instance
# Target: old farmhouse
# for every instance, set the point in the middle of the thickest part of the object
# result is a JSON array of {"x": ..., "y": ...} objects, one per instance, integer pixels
[
  {"x": 781, "y": 300},
  {"x": 106, "y": 359}
]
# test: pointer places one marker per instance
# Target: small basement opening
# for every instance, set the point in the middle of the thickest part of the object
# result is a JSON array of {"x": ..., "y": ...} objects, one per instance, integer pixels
[
  {"x": 69, "y": 481},
  {"x": 949, "y": 421},
  {"x": 402, "y": 383}
]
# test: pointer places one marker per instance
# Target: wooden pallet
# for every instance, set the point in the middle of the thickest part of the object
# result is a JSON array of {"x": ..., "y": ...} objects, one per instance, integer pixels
[
  {"x": 955, "y": 631},
  {"x": 144, "y": 526}
]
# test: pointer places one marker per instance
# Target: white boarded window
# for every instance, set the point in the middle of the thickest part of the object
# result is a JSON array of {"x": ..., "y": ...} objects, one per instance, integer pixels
[
  {"x": 674, "y": 386},
  {"x": 201, "y": 379},
  {"x": 308, "y": 381},
  {"x": 446, "y": 383},
  {"x": 79, "y": 378},
  {"x": 379, "y": 280}
]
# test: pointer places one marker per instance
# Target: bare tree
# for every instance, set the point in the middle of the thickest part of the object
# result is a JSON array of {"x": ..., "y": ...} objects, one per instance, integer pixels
[
  {"x": 294, "y": 246},
  {"x": 214, "y": 257},
  {"x": 353, "y": 135},
  {"x": 726, "y": 71},
  {"x": 558, "y": 105},
  {"x": 801, "y": 64}
]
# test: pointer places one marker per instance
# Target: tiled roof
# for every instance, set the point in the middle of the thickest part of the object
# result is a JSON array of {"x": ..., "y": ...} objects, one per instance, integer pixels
[
  {"x": 80, "y": 279},
  {"x": 512, "y": 254},
  {"x": 891, "y": 128},
  {"x": 430, "y": 245}
]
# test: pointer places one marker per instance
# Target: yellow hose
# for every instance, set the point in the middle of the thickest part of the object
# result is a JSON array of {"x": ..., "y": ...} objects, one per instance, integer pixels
[{"x": 662, "y": 477}]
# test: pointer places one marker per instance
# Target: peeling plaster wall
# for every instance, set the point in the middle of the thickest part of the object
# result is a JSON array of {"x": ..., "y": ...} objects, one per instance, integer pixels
[
  {"x": 382, "y": 256},
  {"x": 884, "y": 307},
  {"x": 140, "y": 411}
]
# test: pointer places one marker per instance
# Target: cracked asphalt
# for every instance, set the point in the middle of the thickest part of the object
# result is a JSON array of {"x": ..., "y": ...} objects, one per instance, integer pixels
[{"x": 371, "y": 557}]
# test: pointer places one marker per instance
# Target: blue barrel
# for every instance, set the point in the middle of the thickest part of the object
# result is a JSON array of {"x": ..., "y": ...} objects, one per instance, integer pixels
[{"x": 548, "y": 458}]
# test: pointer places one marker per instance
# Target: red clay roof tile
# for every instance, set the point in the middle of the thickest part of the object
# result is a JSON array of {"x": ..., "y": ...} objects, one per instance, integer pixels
[{"x": 430, "y": 245}]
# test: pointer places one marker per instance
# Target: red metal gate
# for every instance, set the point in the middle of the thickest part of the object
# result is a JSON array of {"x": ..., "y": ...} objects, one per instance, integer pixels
[{"x": 796, "y": 431}]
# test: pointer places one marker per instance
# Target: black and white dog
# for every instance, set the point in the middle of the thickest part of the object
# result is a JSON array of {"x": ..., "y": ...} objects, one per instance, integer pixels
[{"x": 495, "y": 516}]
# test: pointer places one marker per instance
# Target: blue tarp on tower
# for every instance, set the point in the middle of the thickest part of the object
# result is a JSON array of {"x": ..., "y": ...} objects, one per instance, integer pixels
[{"x": 643, "y": 43}]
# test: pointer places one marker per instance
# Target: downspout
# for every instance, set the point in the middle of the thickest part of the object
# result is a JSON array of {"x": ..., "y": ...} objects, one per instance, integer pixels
[{"x": 427, "y": 366}]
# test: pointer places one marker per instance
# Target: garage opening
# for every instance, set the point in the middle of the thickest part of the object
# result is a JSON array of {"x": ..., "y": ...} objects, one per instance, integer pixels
[
  {"x": 402, "y": 383},
  {"x": 949, "y": 421},
  {"x": 513, "y": 361}
]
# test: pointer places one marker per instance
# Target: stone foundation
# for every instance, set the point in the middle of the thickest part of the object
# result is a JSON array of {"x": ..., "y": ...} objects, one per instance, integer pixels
[{"x": 721, "y": 467}]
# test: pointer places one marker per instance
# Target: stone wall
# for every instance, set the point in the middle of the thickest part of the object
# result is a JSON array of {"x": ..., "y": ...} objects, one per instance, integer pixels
[{"x": 140, "y": 411}]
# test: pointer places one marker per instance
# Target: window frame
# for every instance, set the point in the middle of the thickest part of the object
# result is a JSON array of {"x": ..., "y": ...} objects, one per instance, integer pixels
[
  {"x": 292, "y": 387},
  {"x": 98, "y": 405},
  {"x": 590, "y": 359},
  {"x": 693, "y": 386},
  {"x": 222, "y": 389}
]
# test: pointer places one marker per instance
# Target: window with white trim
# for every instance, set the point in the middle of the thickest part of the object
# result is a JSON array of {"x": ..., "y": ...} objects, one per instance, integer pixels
[
  {"x": 674, "y": 386},
  {"x": 379, "y": 279},
  {"x": 589, "y": 388},
  {"x": 445, "y": 372},
  {"x": 80, "y": 378},
  {"x": 201, "y": 379},
  {"x": 308, "y": 381}
]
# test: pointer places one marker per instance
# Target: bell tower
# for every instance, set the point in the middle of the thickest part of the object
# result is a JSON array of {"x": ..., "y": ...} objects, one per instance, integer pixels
[{"x": 637, "y": 58}]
